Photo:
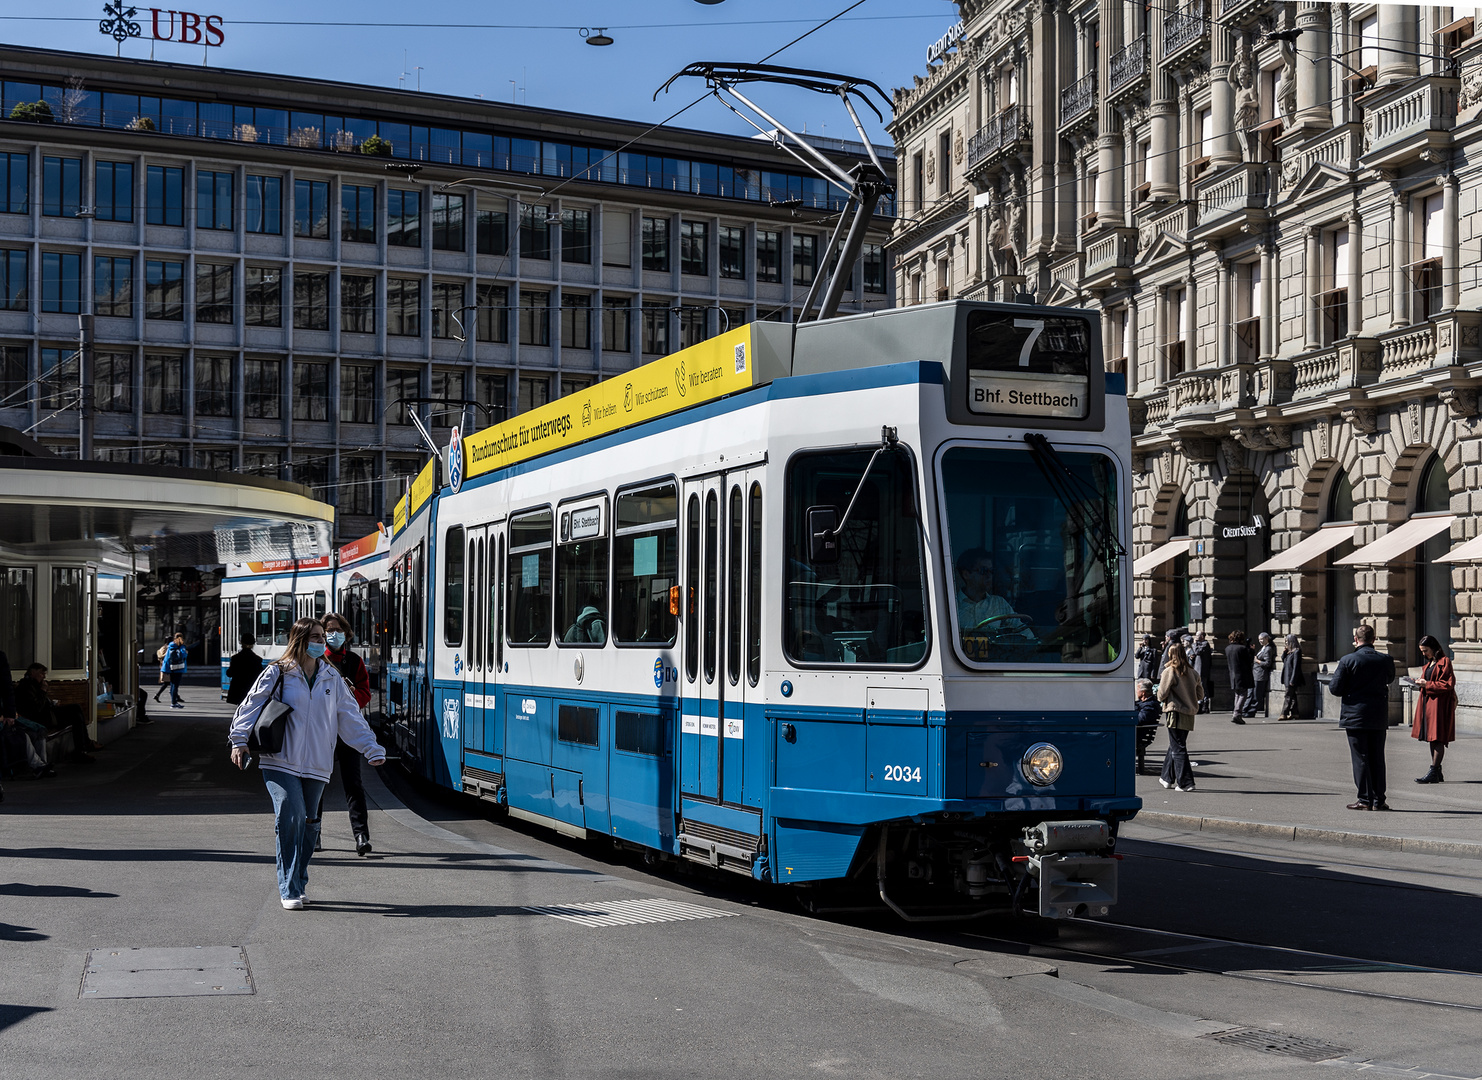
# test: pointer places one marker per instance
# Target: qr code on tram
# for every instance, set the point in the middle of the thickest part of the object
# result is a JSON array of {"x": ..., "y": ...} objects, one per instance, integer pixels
[{"x": 740, "y": 358}]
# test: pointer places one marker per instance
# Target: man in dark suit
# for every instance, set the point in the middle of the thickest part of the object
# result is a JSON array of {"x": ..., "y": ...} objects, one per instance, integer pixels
[
  {"x": 1240, "y": 659},
  {"x": 1362, "y": 680}
]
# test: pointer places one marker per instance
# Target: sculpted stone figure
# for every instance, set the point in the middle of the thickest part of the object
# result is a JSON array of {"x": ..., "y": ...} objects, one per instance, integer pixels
[{"x": 1247, "y": 105}]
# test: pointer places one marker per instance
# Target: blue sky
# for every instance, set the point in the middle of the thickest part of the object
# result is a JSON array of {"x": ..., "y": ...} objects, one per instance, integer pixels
[{"x": 882, "y": 40}]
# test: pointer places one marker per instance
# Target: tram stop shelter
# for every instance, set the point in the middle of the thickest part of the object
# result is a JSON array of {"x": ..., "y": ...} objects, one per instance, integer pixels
[{"x": 74, "y": 536}]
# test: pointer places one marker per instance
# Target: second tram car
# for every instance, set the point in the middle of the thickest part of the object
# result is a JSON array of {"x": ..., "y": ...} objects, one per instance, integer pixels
[
  {"x": 840, "y": 603},
  {"x": 264, "y": 598}
]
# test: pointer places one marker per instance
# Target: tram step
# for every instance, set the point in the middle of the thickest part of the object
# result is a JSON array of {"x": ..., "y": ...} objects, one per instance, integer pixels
[
  {"x": 482, "y": 782},
  {"x": 717, "y": 846}
]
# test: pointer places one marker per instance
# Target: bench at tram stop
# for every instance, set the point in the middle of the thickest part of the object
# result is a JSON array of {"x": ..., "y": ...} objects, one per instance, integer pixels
[{"x": 115, "y": 716}]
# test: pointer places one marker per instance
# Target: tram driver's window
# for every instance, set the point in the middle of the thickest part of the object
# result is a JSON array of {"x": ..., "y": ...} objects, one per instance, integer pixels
[
  {"x": 529, "y": 575},
  {"x": 1035, "y": 560},
  {"x": 645, "y": 566},
  {"x": 581, "y": 574},
  {"x": 869, "y": 605},
  {"x": 453, "y": 586},
  {"x": 264, "y": 632}
]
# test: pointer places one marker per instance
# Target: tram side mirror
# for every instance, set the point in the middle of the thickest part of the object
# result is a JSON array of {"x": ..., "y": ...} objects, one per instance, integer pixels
[{"x": 823, "y": 534}]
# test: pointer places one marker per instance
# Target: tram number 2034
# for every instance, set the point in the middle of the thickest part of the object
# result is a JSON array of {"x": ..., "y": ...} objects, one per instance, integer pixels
[{"x": 902, "y": 774}]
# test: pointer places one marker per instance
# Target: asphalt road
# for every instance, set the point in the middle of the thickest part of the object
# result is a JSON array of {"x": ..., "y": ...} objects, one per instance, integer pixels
[{"x": 427, "y": 959}]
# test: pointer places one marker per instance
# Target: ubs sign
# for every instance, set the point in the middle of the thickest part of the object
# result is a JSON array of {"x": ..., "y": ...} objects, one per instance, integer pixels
[{"x": 183, "y": 27}]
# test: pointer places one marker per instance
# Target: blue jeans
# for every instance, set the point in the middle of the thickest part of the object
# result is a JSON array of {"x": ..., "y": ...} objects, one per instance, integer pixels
[
  {"x": 175, "y": 678},
  {"x": 297, "y": 833}
]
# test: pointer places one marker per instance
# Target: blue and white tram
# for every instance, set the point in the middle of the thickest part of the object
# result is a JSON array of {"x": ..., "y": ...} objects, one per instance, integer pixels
[
  {"x": 846, "y": 602},
  {"x": 264, "y": 598}
]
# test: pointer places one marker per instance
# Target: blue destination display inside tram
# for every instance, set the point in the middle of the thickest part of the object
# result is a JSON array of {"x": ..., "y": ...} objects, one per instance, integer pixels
[{"x": 819, "y": 621}]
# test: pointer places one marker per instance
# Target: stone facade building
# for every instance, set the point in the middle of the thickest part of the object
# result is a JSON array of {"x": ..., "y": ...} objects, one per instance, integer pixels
[{"x": 1275, "y": 208}]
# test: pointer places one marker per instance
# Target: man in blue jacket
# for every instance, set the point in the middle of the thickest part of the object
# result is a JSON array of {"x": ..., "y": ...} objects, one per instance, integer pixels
[{"x": 1362, "y": 680}]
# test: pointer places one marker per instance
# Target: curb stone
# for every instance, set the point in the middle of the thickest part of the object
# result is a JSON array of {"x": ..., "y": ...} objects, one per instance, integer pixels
[{"x": 1308, "y": 834}]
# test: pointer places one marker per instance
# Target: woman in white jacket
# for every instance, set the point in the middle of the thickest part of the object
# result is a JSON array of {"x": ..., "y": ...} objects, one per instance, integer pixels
[{"x": 324, "y": 709}]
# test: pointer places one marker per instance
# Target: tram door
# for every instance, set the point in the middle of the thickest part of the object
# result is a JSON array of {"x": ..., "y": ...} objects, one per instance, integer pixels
[
  {"x": 475, "y": 669},
  {"x": 712, "y": 724}
]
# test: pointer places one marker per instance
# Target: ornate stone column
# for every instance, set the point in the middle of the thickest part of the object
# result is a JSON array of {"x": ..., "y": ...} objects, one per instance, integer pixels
[
  {"x": 1163, "y": 157},
  {"x": 1355, "y": 275},
  {"x": 1396, "y": 43},
  {"x": 1312, "y": 271},
  {"x": 1132, "y": 358},
  {"x": 1399, "y": 255},
  {"x": 1314, "y": 79},
  {"x": 1225, "y": 149},
  {"x": 1449, "y": 227},
  {"x": 1270, "y": 304},
  {"x": 1160, "y": 335},
  {"x": 1224, "y": 314}
]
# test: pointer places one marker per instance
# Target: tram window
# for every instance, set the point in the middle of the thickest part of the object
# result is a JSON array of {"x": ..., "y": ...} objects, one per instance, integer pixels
[
  {"x": 639, "y": 733},
  {"x": 754, "y": 588},
  {"x": 712, "y": 583},
  {"x": 645, "y": 566},
  {"x": 453, "y": 586},
  {"x": 319, "y": 604},
  {"x": 1035, "y": 576},
  {"x": 869, "y": 607},
  {"x": 492, "y": 606},
  {"x": 282, "y": 617},
  {"x": 393, "y": 621},
  {"x": 264, "y": 632},
  {"x": 733, "y": 593},
  {"x": 692, "y": 590},
  {"x": 577, "y": 724},
  {"x": 476, "y": 654},
  {"x": 473, "y": 600},
  {"x": 375, "y": 614},
  {"x": 529, "y": 574},
  {"x": 499, "y": 619},
  {"x": 244, "y": 619},
  {"x": 581, "y": 575},
  {"x": 416, "y": 597}
]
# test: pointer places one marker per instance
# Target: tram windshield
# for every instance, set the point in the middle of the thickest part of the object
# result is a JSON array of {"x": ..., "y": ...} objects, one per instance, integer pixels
[
  {"x": 869, "y": 606},
  {"x": 1035, "y": 571}
]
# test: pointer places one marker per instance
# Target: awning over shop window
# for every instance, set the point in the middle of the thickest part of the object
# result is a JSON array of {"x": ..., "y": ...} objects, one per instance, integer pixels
[
  {"x": 1159, "y": 555},
  {"x": 1468, "y": 552},
  {"x": 1308, "y": 549},
  {"x": 1397, "y": 541}
]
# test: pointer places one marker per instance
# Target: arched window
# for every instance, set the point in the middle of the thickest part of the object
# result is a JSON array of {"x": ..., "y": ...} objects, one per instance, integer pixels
[
  {"x": 1342, "y": 604},
  {"x": 1433, "y": 584},
  {"x": 1179, "y": 613}
]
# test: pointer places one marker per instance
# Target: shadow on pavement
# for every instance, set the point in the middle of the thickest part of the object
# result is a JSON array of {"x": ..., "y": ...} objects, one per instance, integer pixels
[
  {"x": 20, "y": 933},
  {"x": 420, "y": 911},
  {"x": 10, "y": 1015},
  {"x": 16, "y": 888}
]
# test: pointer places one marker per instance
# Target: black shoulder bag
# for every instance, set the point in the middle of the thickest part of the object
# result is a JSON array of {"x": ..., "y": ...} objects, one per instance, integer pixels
[{"x": 266, "y": 736}]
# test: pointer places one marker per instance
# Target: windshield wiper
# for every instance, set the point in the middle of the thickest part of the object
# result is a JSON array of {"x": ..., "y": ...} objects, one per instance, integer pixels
[{"x": 1078, "y": 498}]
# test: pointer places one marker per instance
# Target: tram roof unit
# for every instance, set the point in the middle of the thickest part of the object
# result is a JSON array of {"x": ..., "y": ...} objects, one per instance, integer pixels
[{"x": 754, "y": 356}]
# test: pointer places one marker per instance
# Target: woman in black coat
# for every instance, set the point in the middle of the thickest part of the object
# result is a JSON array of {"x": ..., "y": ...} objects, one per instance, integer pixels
[
  {"x": 1291, "y": 677},
  {"x": 1201, "y": 656},
  {"x": 1240, "y": 659}
]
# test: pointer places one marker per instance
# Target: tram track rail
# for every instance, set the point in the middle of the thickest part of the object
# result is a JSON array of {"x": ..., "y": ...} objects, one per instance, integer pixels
[{"x": 1200, "y": 942}]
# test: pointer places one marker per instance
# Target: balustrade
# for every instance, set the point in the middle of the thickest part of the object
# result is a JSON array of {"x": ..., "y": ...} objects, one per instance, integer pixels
[
  {"x": 1077, "y": 99},
  {"x": 1129, "y": 64}
]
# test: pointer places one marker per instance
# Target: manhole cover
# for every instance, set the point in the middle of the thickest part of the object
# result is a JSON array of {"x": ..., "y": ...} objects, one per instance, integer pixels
[
  {"x": 1279, "y": 1042},
  {"x": 629, "y": 912},
  {"x": 202, "y": 971}
]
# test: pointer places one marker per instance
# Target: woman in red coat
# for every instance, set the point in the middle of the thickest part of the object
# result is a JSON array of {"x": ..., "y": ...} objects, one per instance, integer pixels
[{"x": 1435, "y": 706}]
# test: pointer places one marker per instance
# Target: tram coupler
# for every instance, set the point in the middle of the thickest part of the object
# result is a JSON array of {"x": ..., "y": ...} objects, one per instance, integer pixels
[{"x": 1072, "y": 862}]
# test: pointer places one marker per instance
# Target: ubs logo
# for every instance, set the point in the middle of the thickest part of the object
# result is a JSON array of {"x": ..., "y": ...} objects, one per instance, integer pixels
[
  {"x": 586, "y": 415},
  {"x": 679, "y": 378},
  {"x": 628, "y": 398}
]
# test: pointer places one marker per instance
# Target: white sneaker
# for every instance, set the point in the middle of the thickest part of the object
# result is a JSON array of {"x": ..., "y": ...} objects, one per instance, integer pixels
[
  {"x": 1190, "y": 787},
  {"x": 304, "y": 899},
  {"x": 1165, "y": 783},
  {"x": 295, "y": 903}
]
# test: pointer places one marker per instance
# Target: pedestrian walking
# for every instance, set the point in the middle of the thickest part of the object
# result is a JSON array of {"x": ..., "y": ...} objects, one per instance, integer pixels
[
  {"x": 172, "y": 666},
  {"x": 1265, "y": 666},
  {"x": 1148, "y": 658},
  {"x": 1435, "y": 706},
  {"x": 1146, "y": 709},
  {"x": 1201, "y": 655},
  {"x": 323, "y": 708},
  {"x": 1292, "y": 677},
  {"x": 1240, "y": 659},
  {"x": 1362, "y": 680},
  {"x": 243, "y": 671},
  {"x": 346, "y": 757},
  {"x": 1180, "y": 691}
]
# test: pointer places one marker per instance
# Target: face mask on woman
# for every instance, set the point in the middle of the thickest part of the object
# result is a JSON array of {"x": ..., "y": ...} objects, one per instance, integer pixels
[
  {"x": 316, "y": 649},
  {"x": 336, "y": 639}
]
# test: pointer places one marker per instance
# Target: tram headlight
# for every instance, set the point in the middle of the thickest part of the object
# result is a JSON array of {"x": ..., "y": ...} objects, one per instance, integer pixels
[{"x": 1041, "y": 764}]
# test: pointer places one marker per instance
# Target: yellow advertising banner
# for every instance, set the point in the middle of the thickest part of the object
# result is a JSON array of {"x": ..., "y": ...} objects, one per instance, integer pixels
[
  {"x": 399, "y": 515},
  {"x": 693, "y": 376},
  {"x": 422, "y": 487}
]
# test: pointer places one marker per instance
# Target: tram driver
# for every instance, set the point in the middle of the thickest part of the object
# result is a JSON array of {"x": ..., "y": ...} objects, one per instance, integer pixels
[{"x": 978, "y": 607}]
